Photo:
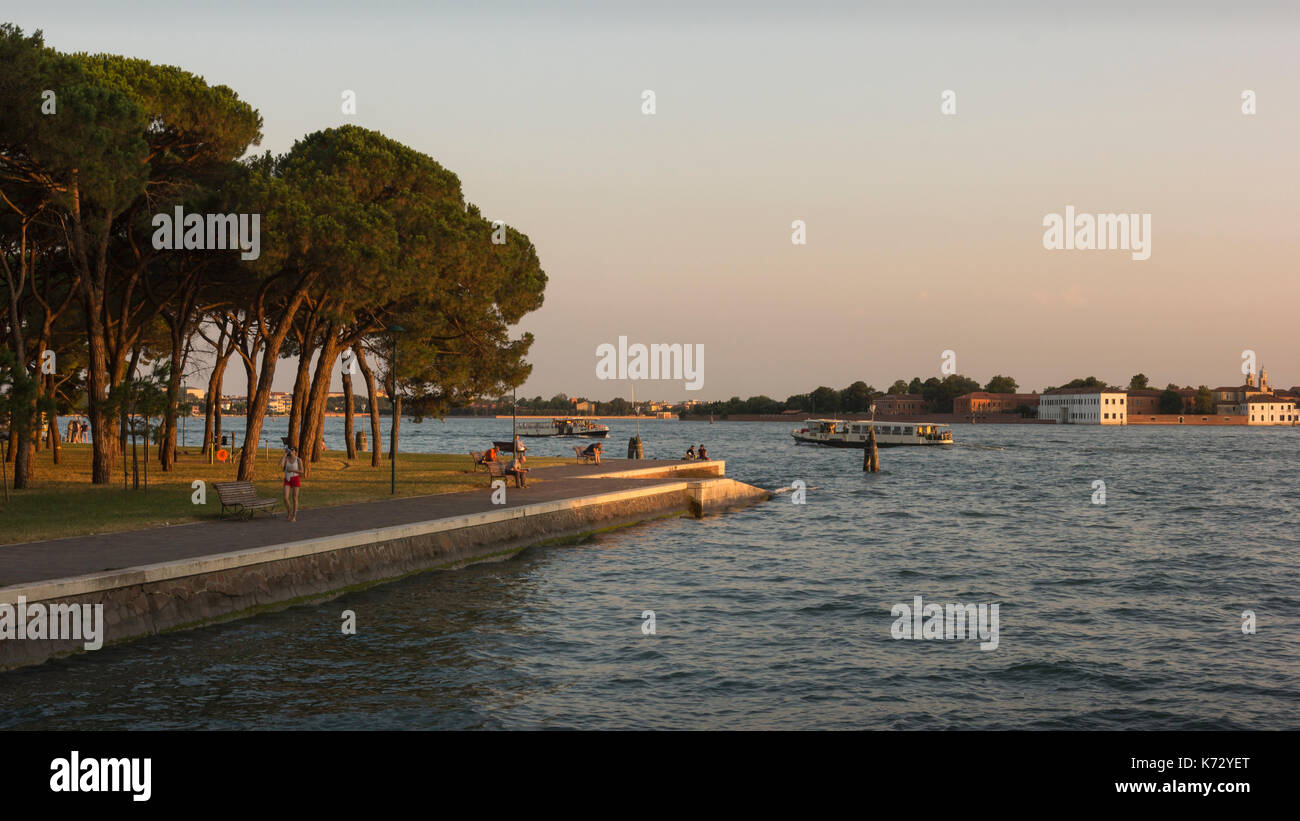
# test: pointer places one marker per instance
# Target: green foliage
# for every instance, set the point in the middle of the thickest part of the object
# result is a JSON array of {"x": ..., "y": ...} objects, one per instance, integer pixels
[
  {"x": 1171, "y": 401},
  {"x": 1204, "y": 400},
  {"x": 856, "y": 398},
  {"x": 1001, "y": 384},
  {"x": 825, "y": 400},
  {"x": 1138, "y": 382}
]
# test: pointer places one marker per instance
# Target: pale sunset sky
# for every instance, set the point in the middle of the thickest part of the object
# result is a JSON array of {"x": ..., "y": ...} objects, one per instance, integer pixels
[{"x": 924, "y": 231}]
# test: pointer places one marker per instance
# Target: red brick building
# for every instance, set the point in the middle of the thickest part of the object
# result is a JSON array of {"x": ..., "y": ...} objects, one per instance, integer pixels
[{"x": 898, "y": 404}]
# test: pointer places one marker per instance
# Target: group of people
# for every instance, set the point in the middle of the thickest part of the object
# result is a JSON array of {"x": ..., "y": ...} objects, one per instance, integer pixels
[
  {"x": 691, "y": 453},
  {"x": 77, "y": 430},
  {"x": 516, "y": 468}
]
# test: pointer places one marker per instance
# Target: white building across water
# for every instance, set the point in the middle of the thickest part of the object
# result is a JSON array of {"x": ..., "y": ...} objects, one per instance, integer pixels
[{"x": 1084, "y": 406}]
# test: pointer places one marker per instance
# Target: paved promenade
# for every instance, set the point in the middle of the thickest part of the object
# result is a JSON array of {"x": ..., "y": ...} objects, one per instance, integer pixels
[{"x": 76, "y": 556}]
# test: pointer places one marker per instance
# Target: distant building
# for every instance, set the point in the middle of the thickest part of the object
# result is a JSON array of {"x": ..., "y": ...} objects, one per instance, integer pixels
[
  {"x": 897, "y": 404},
  {"x": 1267, "y": 409},
  {"x": 1144, "y": 400},
  {"x": 1084, "y": 406},
  {"x": 1147, "y": 400},
  {"x": 584, "y": 407},
  {"x": 1232, "y": 399},
  {"x": 981, "y": 402},
  {"x": 279, "y": 402}
]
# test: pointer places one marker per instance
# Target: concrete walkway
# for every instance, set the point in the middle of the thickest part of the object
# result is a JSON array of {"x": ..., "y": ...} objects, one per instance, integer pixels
[{"x": 80, "y": 555}]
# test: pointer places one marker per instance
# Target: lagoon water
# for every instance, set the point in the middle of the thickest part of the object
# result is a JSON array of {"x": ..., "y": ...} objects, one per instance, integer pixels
[{"x": 1122, "y": 616}]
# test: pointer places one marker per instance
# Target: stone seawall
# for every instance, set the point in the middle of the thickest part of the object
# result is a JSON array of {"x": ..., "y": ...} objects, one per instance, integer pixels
[{"x": 151, "y": 599}]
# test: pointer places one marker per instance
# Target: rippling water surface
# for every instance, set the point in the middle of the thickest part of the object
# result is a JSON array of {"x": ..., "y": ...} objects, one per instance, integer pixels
[{"x": 1123, "y": 616}]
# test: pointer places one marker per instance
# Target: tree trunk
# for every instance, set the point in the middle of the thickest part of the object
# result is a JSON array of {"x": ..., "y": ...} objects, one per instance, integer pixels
[
  {"x": 167, "y": 444},
  {"x": 301, "y": 385},
  {"x": 55, "y": 439},
  {"x": 348, "y": 437},
  {"x": 258, "y": 401},
  {"x": 372, "y": 402},
  {"x": 101, "y": 427},
  {"x": 314, "y": 413}
]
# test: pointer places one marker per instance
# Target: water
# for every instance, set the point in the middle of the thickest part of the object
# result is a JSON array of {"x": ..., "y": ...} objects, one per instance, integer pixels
[{"x": 1123, "y": 616}]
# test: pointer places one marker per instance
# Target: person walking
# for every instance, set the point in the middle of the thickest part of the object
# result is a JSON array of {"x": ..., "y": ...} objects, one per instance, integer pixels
[{"x": 292, "y": 467}]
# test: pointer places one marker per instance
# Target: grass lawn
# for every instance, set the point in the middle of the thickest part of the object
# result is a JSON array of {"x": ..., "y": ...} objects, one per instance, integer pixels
[{"x": 62, "y": 502}]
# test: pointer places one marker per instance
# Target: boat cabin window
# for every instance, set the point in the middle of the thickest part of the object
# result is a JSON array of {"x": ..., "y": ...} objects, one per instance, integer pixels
[{"x": 907, "y": 431}]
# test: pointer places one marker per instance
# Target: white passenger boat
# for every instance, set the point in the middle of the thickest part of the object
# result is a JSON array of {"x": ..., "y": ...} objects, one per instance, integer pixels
[
  {"x": 587, "y": 428},
  {"x": 838, "y": 433}
]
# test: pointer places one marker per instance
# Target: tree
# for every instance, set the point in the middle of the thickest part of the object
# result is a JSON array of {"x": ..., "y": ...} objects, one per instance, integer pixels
[
  {"x": 939, "y": 393},
  {"x": 898, "y": 387},
  {"x": 129, "y": 138},
  {"x": 1086, "y": 382},
  {"x": 826, "y": 400},
  {"x": 1001, "y": 384},
  {"x": 915, "y": 385},
  {"x": 1138, "y": 382},
  {"x": 856, "y": 398},
  {"x": 1171, "y": 401},
  {"x": 1204, "y": 400}
]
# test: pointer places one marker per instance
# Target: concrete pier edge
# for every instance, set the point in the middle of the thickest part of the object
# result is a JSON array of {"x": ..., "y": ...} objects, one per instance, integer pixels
[{"x": 193, "y": 592}]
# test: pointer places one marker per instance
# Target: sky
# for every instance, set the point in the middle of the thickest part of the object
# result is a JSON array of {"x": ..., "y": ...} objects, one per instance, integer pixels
[{"x": 924, "y": 230}]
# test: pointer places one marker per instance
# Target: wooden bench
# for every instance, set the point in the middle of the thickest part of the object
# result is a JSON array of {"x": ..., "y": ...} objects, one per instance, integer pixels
[
  {"x": 582, "y": 456},
  {"x": 241, "y": 496},
  {"x": 496, "y": 470},
  {"x": 477, "y": 456}
]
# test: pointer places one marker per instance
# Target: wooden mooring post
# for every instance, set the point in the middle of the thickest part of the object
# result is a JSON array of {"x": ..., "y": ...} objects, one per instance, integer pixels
[{"x": 870, "y": 455}]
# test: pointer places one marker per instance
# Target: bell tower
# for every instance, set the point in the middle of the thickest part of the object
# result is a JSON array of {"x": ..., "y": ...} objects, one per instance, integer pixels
[{"x": 1263, "y": 380}]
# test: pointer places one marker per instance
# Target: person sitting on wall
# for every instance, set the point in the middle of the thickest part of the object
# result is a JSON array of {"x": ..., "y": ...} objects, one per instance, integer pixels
[
  {"x": 593, "y": 450},
  {"x": 704, "y": 453},
  {"x": 690, "y": 453}
]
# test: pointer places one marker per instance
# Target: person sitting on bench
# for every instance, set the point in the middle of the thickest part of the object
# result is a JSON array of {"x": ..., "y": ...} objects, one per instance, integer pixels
[
  {"x": 593, "y": 450},
  {"x": 516, "y": 468},
  {"x": 690, "y": 453},
  {"x": 490, "y": 455}
]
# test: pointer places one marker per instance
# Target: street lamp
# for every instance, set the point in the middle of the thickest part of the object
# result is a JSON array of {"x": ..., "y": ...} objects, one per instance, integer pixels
[{"x": 397, "y": 411}]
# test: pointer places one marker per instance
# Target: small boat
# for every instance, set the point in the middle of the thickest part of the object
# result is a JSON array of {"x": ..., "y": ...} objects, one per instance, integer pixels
[
  {"x": 838, "y": 433},
  {"x": 586, "y": 428}
]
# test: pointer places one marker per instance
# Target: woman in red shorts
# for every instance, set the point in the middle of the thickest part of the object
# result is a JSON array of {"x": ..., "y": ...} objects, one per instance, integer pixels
[{"x": 292, "y": 467}]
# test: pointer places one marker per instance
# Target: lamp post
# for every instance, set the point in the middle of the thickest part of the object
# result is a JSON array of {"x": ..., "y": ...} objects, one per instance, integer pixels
[{"x": 397, "y": 410}]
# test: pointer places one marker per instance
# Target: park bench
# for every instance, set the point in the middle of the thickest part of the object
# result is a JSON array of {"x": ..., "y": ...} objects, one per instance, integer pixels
[
  {"x": 477, "y": 456},
  {"x": 582, "y": 456},
  {"x": 496, "y": 470},
  {"x": 241, "y": 496}
]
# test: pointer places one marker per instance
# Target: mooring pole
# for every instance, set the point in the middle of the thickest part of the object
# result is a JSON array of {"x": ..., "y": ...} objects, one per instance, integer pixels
[{"x": 870, "y": 455}]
